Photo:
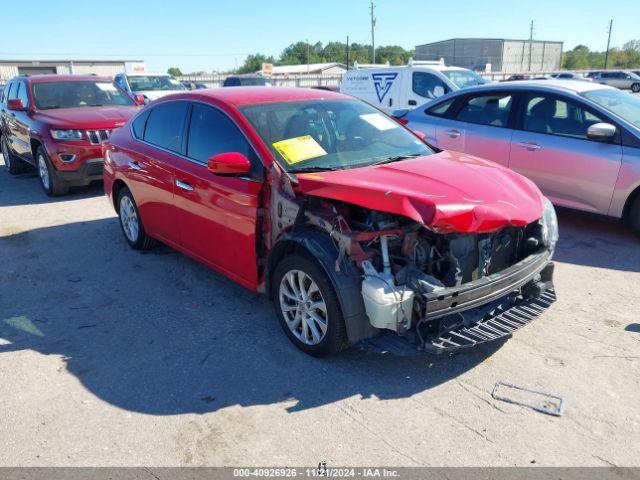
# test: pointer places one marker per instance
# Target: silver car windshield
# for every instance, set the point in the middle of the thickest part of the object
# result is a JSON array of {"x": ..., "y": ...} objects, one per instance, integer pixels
[
  {"x": 620, "y": 103},
  {"x": 464, "y": 78}
]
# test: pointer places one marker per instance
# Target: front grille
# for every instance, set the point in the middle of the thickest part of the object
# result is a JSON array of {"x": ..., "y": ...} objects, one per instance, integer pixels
[{"x": 96, "y": 137}]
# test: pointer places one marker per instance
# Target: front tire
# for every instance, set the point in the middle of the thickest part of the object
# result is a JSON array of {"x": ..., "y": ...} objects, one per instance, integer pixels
[
  {"x": 50, "y": 182},
  {"x": 307, "y": 306},
  {"x": 635, "y": 88},
  {"x": 131, "y": 223}
]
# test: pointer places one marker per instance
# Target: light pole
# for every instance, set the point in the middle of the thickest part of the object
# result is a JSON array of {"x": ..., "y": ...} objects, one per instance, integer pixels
[{"x": 373, "y": 38}]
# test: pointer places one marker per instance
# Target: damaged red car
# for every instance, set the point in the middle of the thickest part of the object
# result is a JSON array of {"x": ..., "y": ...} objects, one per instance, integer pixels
[{"x": 350, "y": 223}]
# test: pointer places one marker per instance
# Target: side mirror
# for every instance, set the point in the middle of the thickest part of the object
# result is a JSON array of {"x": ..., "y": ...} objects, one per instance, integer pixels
[
  {"x": 139, "y": 99},
  {"x": 16, "y": 105},
  {"x": 438, "y": 91},
  {"x": 229, "y": 163},
  {"x": 601, "y": 131}
]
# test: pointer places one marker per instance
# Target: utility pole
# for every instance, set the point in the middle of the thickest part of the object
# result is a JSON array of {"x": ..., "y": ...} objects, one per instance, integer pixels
[
  {"x": 347, "y": 52},
  {"x": 606, "y": 55},
  {"x": 530, "y": 44},
  {"x": 307, "y": 56},
  {"x": 373, "y": 26}
]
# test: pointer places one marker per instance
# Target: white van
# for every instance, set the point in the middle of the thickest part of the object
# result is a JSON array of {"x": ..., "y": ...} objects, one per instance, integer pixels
[{"x": 394, "y": 88}]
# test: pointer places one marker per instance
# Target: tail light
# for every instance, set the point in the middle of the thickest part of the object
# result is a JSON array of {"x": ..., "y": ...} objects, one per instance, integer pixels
[{"x": 401, "y": 121}]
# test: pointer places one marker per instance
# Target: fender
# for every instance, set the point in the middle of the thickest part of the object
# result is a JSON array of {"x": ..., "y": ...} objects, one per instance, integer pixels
[{"x": 347, "y": 282}]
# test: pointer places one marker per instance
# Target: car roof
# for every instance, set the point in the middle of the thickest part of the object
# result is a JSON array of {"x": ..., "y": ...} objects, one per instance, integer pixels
[
  {"x": 254, "y": 95},
  {"x": 146, "y": 74},
  {"x": 574, "y": 86},
  {"x": 64, "y": 78}
]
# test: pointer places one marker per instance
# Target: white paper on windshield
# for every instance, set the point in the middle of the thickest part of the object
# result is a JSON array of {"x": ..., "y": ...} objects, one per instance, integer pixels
[
  {"x": 174, "y": 82},
  {"x": 106, "y": 87},
  {"x": 379, "y": 121}
]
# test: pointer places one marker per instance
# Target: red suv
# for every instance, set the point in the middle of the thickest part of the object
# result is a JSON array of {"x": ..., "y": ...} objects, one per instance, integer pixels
[
  {"x": 346, "y": 219},
  {"x": 57, "y": 123}
]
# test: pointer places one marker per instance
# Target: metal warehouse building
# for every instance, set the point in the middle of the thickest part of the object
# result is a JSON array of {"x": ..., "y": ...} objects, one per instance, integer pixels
[
  {"x": 11, "y": 68},
  {"x": 507, "y": 56}
]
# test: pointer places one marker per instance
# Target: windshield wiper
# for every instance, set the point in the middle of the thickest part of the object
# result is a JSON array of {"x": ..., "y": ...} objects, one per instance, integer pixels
[
  {"x": 313, "y": 169},
  {"x": 395, "y": 158}
]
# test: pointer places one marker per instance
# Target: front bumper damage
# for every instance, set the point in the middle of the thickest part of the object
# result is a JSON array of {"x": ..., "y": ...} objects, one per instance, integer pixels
[{"x": 487, "y": 309}]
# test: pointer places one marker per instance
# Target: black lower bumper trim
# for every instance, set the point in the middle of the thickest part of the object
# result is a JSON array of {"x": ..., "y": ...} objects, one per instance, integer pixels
[
  {"x": 499, "y": 323},
  {"x": 88, "y": 172}
]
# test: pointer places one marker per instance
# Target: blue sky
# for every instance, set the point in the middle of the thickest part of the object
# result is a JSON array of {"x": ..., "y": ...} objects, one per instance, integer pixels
[{"x": 215, "y": 34}]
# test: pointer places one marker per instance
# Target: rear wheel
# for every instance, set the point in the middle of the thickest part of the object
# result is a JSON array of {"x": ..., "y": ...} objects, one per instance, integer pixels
[
  {"x": 634, "y": 216},
  {"x": 635, "y": 88},
  {"x": 50, "y": 182},
  {"x": 131, "y": 223},
  {"x": 307, "y": 306},
  {"x": 14, "y": 165}
]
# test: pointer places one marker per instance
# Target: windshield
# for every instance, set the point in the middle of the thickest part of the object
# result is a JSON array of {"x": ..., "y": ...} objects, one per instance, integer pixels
[
  {"x": 154, "y": 82},
  {"x": 331, "y": 134},
  {"x": 620, "y": 103},
  {"x": 464, "y": 78},
  {"x": 74, "y": 94}
]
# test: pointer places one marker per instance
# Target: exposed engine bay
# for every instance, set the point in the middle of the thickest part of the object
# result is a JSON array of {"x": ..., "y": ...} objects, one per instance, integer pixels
[{"x": 415, "y": 281}]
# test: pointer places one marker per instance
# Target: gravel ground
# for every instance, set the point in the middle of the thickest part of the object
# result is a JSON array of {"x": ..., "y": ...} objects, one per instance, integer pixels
[{"x": 111, "y": 357}]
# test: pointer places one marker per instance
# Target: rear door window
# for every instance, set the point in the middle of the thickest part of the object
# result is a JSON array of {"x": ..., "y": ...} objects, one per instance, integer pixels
[
  {"x": 165, "y": 125},
  {"x": 492, "y": 109},
  {"x": 442, "y": 109}
]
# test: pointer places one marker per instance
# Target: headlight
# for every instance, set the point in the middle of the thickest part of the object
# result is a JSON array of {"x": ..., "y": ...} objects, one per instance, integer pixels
[
  {"x": 66, "y": 134},
  {"x": 549, "y": 223}
]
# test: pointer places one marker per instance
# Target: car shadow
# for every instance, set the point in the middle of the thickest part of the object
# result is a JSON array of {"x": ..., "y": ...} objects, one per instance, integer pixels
[
  {"x": 161, "y": 334},
  {"x": 25, "y": 189},
  {"x": 595, "y": 241}
]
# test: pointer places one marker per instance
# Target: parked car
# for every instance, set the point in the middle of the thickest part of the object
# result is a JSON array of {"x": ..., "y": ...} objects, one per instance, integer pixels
[
  {"x": 193, "y": 85},
  {"x": 593, "y": 74},
  {"x": 348, "y": 221},
  {"x": 569, "y": 76},
  {"x": 56, "y": 123},
  {"x": 248, "y": 80},
  {"x": 148, "y": 86},
  {"x": 619, "y": 79},
  {"x": 578, "y": 141},
  {"x": 390, "y": 88},
  {"x": 517, "y": 77}
]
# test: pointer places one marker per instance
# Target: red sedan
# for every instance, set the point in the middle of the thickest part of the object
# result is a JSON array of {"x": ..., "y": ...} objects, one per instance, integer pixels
[{"x": 346, "y": 219}]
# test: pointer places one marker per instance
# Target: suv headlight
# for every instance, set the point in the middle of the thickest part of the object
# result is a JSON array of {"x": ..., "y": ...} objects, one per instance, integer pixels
[
  {"x": 549, "y": 223},
  {"x": 67, "y": 134}
]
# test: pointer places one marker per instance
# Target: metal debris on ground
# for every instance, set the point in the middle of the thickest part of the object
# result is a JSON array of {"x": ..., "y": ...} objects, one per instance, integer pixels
[{"x": 540, "y": 401}]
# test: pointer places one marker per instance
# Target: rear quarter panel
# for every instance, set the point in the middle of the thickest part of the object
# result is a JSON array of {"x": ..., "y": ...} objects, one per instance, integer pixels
[{"x": 628, "y": 180}]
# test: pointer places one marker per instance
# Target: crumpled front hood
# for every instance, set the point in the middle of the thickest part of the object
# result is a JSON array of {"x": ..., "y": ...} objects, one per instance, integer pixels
[
  {"x": 81, "y": 118},
  {"x": 448, "y": 192}
]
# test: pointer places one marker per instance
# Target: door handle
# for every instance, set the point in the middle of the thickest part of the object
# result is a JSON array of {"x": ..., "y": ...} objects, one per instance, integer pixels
[
  {"x": 531, "y": 146},
  {"x": 135, "y": 165},
  {"x": 452, "y": 133},
  {"x": 412, "y": 102},
  {"x": 184, "y": 186}
]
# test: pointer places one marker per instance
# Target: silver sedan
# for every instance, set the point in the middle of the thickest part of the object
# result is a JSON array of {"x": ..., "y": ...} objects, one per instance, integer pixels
[{"x": 578, "y": 141}]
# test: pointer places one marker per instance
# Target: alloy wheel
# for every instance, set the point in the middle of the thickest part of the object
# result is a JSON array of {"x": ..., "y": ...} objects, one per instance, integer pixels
[
  {"x": 303, "y": 307},
  {"x": 43, "y": 171},
  {"x": 129, "y": 219}
]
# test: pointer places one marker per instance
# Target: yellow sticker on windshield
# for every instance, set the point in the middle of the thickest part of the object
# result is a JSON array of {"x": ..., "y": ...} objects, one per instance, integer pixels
[{"x": 298, "y": 149}]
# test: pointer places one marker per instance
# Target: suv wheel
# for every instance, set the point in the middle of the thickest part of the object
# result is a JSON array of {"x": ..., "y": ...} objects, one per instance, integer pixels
[
  {"x": 634, "y": 216},
  {"x": 51, "y": 185},
  {"x": 131, "y": 223},
  {"x": 307, "y": 306},
  {"x": 635, "y": 88},
  {"x": 13, "y": 164}
]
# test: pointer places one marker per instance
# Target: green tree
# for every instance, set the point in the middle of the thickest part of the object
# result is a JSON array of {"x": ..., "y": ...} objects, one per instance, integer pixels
[
  {"x": 254, "y": 62},
  {"x": 393, "y": 54},
  {"x": 175, "y": 71}
]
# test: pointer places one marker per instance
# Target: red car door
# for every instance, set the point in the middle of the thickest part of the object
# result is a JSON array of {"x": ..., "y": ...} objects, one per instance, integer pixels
[
  {"x": 150, "y": 169},
  {"x": 218, "y": 214}
]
